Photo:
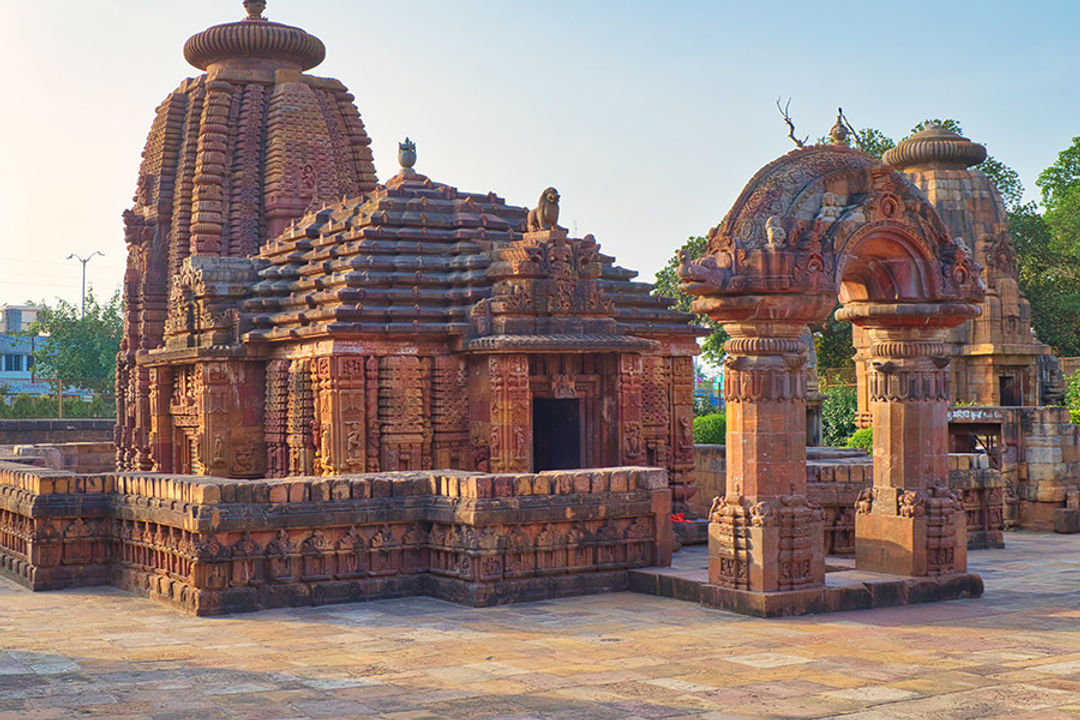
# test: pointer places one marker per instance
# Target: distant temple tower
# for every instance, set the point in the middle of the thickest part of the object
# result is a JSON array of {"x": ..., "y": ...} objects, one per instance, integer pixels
[
  {"x": 996, "y": 357},
  {"x": 233, "y": 156}
]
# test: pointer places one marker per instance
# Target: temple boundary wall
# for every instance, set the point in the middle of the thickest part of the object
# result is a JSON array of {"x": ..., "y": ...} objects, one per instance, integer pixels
[
  {"x": 28, "y": 432},
  {"x": 213, "y": 546}
]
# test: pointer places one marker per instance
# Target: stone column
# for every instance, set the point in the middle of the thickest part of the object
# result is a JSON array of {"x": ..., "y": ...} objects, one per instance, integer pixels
[
  {"x": 764, "y": 535},
  {"x": 909, "y": 523},
  {"x": 511, "y": 414},
  {"x": 631, "y": 451},
  {"x": 161, "y": 428},
  {"x": 864, "y": 417}
]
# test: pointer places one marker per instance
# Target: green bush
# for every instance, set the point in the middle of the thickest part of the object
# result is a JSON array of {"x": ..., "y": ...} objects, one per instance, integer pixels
[
  {"x": 710, "y": 429},
  {"x": 838, "y": 414},
  {"x": 1072, "y": 391},
  {"x": 862, "y": 439},
  {"x": 1074, "y": 417},
  {"x": 25, "y": 407}
]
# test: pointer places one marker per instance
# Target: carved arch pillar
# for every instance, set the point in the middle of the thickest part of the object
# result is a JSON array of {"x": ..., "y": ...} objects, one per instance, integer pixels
[
  {"x": 765, "y": 535},
  {"x": 909, "y": 523}
]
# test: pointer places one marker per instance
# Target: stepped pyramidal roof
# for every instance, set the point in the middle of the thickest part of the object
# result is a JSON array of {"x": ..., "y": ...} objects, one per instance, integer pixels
[{"x": 419, "y": 256}]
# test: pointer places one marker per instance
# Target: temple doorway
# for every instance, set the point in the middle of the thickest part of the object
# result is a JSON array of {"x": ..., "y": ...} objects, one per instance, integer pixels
[
  {"x": 556, "y": 434},
  {"x": 1009, "y": 389}
]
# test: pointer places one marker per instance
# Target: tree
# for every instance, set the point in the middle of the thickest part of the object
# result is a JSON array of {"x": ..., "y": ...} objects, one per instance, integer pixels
[
  {"x": 79, "y": 350},
  {"x": 667, "y": 285},
  {"x": 832, "y": 341},
  {"x": 1060, "y": 186},
  {"x": 1048, "y": 253}
]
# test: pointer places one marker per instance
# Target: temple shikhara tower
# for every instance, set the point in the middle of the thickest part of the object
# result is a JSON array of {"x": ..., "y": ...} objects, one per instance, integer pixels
[
  {"x": 288, "y": 315},
  {"x": 995, "y": 355},
  {"x": 232, "y": 158}
]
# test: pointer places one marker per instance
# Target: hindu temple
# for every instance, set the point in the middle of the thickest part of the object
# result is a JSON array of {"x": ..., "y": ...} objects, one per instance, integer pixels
[
  {"x": 332, "y": 388},
  {"x": 320, "y": 323}
]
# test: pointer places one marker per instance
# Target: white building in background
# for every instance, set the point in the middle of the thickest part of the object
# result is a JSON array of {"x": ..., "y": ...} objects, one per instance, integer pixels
[
  {"x": 17, "y": 356},
  {"x": 17, "y": 353}
]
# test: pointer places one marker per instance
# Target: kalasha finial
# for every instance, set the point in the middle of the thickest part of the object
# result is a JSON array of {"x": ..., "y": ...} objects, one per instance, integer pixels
[
  {"x": 839, "y": 132},
  {"x": 406, "y": 155},
  {"x": 255, "y": 9}
]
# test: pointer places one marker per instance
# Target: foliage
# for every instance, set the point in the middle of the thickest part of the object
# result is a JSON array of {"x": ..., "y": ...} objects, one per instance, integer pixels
[
  {"x": 1049, "y": 277},
  {"x": 81, "y": 350},
  {"x": 1072, "y": 392},
  {"x": 1060, "y": 186},
  {"x": 832, "y": 341},
  {"x": 862, "y": 439},
  {"x": 873, "y": 142},
  {"x": 1048, "y": 253},
  {"x": 703, "y": 406},
  {"x": 25, "y": 407},
  {"x": 1061, "y": 177},
  {"x": 838, "y": 414},
  {"x": 870, "y": 140},
  {"x": 667, "y": 285},
  {"x": 710, "y": 429}
]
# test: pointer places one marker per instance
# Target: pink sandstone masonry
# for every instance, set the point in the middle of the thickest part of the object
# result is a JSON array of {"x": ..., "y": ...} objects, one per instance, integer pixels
[
  {"x": 837, "y": 477},
  {"x": 213, "y": 546}
]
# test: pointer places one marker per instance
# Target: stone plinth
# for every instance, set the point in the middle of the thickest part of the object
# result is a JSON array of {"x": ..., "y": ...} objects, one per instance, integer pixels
[{"x": 213, "y": 546}]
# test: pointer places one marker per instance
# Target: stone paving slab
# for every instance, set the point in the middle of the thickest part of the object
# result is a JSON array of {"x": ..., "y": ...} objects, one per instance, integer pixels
[{"x": 103, "y": 653}]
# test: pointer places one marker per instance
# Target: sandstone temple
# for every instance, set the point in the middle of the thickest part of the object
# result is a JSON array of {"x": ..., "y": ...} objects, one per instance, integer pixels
[
  {"x": 332, "y": 388},
  {"x": 288, "y": 315}
]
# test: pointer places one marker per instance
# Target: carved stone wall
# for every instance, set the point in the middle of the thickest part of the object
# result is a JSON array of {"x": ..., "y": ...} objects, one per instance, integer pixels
[{"x": 214, "y": 546}]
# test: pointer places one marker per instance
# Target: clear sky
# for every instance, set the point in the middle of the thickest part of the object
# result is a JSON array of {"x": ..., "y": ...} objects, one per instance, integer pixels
[{"x": 649, "y": 117}]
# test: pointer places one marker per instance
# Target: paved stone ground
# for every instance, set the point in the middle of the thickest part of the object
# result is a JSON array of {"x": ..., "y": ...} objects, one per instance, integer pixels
[{"x": 104, "y": 653}]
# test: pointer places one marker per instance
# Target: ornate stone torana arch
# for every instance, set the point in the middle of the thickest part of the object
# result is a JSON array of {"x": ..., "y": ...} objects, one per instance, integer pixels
[{"x": 820, "y": 223}]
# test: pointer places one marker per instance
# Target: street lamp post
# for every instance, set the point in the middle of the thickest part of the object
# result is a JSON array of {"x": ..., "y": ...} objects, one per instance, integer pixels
[{"x": 84, "y": 260}]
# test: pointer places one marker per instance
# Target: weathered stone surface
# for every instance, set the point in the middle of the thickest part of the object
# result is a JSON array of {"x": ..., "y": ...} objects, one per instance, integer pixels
[
  {"x": 817, "y": 224},
  {"x": 213, "y": 546},
  {"x": 287, "y": 315}
]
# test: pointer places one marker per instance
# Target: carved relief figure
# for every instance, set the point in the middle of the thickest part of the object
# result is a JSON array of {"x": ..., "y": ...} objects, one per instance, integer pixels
[
  {"x": 545, "y": 216},
  {"x": 831, "y": 208},
  {"x": 865, "y": 503},
  {"x": 911, "y": 504},
  {"x": 775, "y": 233}
]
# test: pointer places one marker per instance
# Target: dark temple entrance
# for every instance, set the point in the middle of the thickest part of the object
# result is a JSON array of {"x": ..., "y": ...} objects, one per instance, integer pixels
[{"x": 556, "y": 434}]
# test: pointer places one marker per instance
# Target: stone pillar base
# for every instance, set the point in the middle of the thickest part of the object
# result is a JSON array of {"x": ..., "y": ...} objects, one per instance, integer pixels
[
  {"x": 929, "y": 536},
  {"x": 768, "y": 545},
  {"x": 1067, "y": 520}
]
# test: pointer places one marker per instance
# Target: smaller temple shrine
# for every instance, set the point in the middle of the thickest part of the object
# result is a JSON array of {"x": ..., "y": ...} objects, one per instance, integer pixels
[{"x": 996, "y": 357}]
